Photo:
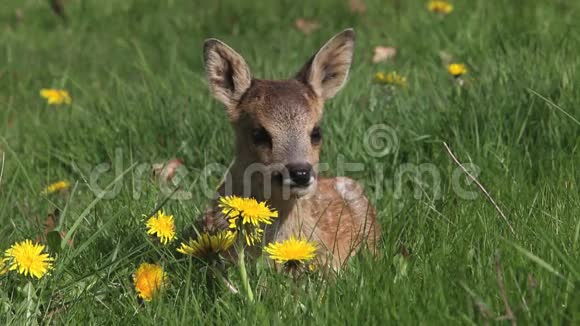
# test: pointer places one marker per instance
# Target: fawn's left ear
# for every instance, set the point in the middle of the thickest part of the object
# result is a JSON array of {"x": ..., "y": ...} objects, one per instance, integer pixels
[
  {"x": 326, "y": 72},
  {"x": 227, "y": 73}
]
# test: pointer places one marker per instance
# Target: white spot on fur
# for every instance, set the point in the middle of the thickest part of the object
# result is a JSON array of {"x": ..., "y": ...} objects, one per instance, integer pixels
[{"x": 347, "y": 188}]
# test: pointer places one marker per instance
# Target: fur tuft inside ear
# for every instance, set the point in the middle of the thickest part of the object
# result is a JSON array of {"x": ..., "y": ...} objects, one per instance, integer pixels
[
  {"x": 327, "y": 71},
  {"x": 227, "y": 73}
]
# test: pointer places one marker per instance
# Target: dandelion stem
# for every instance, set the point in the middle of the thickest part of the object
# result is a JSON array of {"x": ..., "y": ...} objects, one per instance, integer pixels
[{"x": 244, "y": 274}]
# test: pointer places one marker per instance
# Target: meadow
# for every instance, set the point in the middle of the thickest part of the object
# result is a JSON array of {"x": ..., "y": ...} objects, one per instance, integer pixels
[{"x": 139, "y": 98}]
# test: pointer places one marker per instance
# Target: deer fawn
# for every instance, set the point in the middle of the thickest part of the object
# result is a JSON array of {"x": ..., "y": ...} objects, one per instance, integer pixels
[{"x": 278, "y": 134}]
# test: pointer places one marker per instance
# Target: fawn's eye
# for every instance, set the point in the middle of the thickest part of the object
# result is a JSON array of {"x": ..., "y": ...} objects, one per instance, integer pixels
[
  {"x": 316, "y": 135},
  {"x": 260, "y": 136}
]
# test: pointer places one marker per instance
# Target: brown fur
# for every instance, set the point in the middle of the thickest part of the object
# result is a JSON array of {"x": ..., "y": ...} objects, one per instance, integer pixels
[{"x": 333, "y": 212}]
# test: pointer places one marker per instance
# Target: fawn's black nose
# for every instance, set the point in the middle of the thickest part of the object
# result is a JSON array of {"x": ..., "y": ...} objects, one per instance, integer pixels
[{"x": 300, "y": 173}]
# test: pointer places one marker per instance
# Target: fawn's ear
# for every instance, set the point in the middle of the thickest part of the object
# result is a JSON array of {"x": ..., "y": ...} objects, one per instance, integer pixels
[
  {"x": 227, "y": 73},
  {"x": 326, "y": 72}
]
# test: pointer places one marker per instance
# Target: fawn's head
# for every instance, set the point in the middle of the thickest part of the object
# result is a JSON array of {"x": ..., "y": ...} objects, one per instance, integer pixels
[{"x": 277, "y": 122}]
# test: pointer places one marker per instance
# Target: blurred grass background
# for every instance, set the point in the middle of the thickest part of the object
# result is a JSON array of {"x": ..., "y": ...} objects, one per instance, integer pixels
[{"x": 134, "y": 71}]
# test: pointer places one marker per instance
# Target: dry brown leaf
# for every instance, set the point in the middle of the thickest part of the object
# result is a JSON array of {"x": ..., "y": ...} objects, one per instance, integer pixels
[
  {"x": 166, "y": 171},
  {"x": 405, "y": 252},
  {"x": 532, "y": 282},
  {"x": 18, "y": 15},
  {"x": 357, "y": 6},
  {"x": 50, "y": 224},
  {"x": 306, "y": 26},
  {"x": 57, "y": 7},
  {"x": 384, "y": 53},
  {"x": 445, "y": 57}
]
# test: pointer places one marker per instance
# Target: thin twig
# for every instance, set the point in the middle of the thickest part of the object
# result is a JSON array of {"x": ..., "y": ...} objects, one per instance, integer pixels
[
  {"x": 232, "y": 288},
  {"x": 509, "y": 315},
  {"x": 2, "y": 168},
  {"x": 480, "y": 186},
  {"x": 554, "y": 105},
  {"x": 165, "y": 200},
  {"x": 482, "y": 307}
]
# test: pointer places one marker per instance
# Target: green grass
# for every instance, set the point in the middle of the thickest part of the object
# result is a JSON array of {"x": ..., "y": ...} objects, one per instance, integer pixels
[{"x": 135, "y": 73}]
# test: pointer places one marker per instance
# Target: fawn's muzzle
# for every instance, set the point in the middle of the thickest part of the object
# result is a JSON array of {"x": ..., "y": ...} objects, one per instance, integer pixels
[{"x": 300, "y": 174}]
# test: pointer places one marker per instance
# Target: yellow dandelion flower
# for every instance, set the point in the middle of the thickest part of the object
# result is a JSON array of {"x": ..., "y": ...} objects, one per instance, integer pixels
[
  {"x": 253, "y": 236},
  {"x": 251, "y": 211},
  {"x": 27, "y": 258},
  {"x": 391, "y": 78},
  {"x": 457, "y": 69},
  {"x": 291, "y": 251},
  {"x": 57, "y": 186},
  {"x": 208, "y": 245},
  {"x": 161, "y": 226},
  {"x": 148, "y": 280},
  {"x": 380, "y": 76},
  {"x": 252, "y": 233},
  {"x": 441, "y": 7},
  {"x": 312, "y": 268},
  {"x": 56, "y": 96},
  {"x": 246, "y": 215}
]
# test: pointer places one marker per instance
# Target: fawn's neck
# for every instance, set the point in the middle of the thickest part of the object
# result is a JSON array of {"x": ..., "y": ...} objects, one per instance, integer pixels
[
  {"x": 293, "y": 212},
  {"x": 240, "y": 183}
]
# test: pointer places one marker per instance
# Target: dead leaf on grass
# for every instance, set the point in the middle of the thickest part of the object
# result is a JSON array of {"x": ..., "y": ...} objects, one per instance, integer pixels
[
  {"x": 357, "y": 6},
  {"x": 384, "y": 53},
  {"x": 306, "y": 26},
  {"x": 166, "y": 171}
]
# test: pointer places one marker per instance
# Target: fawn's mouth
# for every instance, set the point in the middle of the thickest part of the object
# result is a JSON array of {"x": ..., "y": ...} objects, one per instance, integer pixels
[
  {"x": 300, "y": 190},
  {"x": 297, "y": 190}
]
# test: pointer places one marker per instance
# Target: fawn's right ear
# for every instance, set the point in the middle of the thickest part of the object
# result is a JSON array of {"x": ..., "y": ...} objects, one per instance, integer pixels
[{"x": 227, "y": 73}]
